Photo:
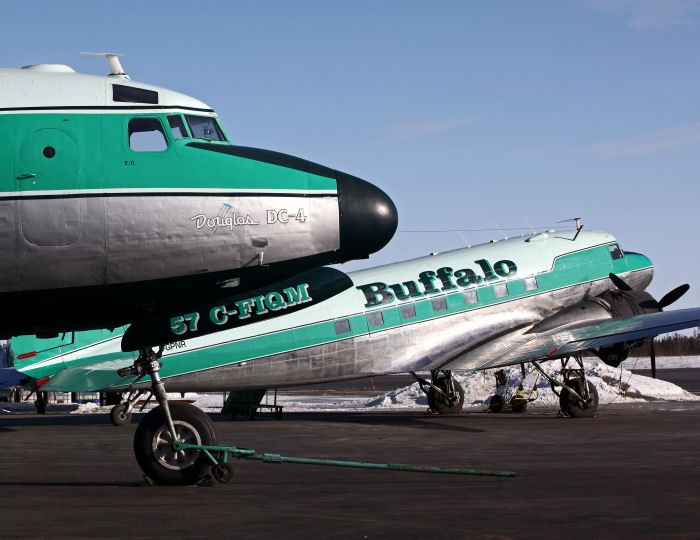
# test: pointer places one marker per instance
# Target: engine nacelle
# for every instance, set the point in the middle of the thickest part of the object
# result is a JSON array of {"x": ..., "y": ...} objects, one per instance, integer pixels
[{"x": 608, "y": 305}]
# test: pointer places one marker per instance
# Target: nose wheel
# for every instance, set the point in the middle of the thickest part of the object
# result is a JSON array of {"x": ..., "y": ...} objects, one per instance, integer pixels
[
  {"x": 166, "y": 426},
  {"x": 153, "y": 445}
]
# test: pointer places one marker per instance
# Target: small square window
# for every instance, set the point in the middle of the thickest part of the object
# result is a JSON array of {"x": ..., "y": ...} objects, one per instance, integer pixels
[
  {"x": 615, "y": 252},
  {"x": 500, "y": 290},
  {"x": 408, "y": 312},
  {"x": 375, "y": 319},
  {"x": 440, "y": 304},
  {"x": 530, "y": 283},
  {"x": 342, "y": 327},
  {"x": 471, "y": 297}
]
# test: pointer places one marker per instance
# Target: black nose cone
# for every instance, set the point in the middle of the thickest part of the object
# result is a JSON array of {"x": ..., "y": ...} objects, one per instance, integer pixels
[{"x": 368, "y": 217}]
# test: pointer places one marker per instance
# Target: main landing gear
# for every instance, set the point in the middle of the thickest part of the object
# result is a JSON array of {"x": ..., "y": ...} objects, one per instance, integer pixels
[
  {"x": 445, "y": 394},
  {"x": 578, "y": 396},
  {"x": 159, "y": 431}
]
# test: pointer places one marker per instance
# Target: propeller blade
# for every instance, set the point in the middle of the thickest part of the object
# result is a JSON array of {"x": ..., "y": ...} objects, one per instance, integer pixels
[
  {"x": 674, "y": 295},
  {"x": 619, "y": 283},
  {"x": 652, "y": 356}
]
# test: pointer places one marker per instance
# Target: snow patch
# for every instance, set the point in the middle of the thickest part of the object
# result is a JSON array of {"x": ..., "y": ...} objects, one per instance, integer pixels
[{"x": 614, "y": 385}]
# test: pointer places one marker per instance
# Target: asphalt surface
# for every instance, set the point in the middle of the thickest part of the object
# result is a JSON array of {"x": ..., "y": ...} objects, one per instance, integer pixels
[{"x": 632, "y": 472}]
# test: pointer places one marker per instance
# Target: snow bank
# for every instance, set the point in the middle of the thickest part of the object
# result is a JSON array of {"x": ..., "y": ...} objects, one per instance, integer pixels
[{"x": 614, "y": 385}]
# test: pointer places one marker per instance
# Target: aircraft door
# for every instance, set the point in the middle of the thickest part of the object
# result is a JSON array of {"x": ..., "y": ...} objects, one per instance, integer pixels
[{"x": 47, "y": 170}]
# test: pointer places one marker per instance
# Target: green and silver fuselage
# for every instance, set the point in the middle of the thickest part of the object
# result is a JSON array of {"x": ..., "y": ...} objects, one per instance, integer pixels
[
  {"x": 111, "y": 207},
  {"x": 437, "y": 312}
]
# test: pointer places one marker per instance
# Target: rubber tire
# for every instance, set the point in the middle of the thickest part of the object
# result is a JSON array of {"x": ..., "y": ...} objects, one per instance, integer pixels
[
  {"x": 570, "y": 405},
  {"x": 40, "y": 403},
  {"x": 437, "y": 403},
  {"x": 519, "y": 407},
  {"x": 222, "y": 472},
  {"x": 147, "y": 431},
  {"x": 496, "y": 404},
  {"x": 117, "y": 416}
]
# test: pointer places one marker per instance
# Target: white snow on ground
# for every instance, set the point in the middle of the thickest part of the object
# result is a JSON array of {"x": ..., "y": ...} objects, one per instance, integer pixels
[
  {"x": 663, "y": 362},
  {"x": 614, "y": 385}
]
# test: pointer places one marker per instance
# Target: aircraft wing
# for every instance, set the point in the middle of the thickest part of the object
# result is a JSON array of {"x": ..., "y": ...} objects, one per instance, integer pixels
[
  {"x": 99, "y": 373},
  {"x": 578, "y": 337}
]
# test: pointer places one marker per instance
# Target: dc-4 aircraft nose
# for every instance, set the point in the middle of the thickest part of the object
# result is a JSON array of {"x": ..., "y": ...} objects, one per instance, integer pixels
[{"x": 368, "y": 217}]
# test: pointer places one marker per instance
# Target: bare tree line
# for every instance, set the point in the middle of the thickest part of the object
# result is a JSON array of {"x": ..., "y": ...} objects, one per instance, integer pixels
[{"x": 673, "y": 345}]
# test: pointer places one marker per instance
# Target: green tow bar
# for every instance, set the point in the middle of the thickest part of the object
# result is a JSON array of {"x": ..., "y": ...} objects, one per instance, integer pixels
[{"x": 222, "y": 472}]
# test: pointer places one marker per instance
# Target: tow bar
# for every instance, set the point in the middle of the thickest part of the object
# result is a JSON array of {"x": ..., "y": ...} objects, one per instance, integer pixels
[{"x": 222, "y": 471}]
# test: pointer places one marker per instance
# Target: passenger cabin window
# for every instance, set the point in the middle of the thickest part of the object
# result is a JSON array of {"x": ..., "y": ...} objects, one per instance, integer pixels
[
  {"x": 177, "y": 125},
  {"x": 342, "y": 327},
  {"x": 204, "y": 127},
  {"x": 470, "y": 297},
  {"x": 440, "y": 304},
  {"x": 530, "y": 283},
  {"x": 500, "y": 290},
  {"x": 408, "y": 312},
  {"x": 615, "y": 252},
  {"x": 146, "y": 134},
  {"x": 375, "y": 319}
]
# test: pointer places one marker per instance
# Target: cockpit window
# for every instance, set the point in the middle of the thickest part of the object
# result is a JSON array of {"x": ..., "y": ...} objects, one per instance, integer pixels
[
  {"x": 177, "y": 126},
  {"x": 205, "y": 127},
  {"x": 146, "y": 134},
  {"x": 616, "y": 252}
]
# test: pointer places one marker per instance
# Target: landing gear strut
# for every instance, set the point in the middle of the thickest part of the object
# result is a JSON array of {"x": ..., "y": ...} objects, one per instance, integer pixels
[
  {"x": 166, "y": 425},
  {"x": 578, "y": 397},
  {"x": 445, "y": 394}
]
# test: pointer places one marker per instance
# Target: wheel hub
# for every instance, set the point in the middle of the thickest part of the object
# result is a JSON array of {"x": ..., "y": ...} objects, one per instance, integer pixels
[{"x": 163, "y": 449}]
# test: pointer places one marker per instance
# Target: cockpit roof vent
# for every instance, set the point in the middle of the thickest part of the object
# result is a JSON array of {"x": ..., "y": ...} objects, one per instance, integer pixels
[{"x": 133, "y": 94}]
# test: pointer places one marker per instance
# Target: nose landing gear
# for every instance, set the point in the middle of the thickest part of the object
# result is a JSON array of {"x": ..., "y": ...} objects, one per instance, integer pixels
[{"x": 159, "y": 431}]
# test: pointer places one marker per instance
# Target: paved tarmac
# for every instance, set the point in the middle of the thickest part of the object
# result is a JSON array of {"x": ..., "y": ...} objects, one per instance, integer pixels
[{"x": 632, "y": 472}]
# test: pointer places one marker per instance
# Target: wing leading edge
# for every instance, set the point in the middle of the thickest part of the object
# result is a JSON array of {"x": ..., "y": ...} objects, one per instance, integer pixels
[{"x": 578, "y": 337}]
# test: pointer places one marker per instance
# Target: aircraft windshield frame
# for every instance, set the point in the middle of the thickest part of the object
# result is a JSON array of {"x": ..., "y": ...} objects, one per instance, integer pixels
[{"x": 205, "y": 127}]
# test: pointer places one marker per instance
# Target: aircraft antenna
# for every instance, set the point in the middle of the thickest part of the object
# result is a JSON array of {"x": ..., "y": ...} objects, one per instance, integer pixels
[
  {"x": 463, "y": 238},
  {"x": 530, "y": 225},
  {"x": 579, "y": 225},
  {"x": 115, "y": 67},
  {"x": 504, "y": 234}
]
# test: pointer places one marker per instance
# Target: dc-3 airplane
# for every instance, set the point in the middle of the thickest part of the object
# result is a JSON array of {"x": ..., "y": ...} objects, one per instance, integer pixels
[{"x": 534, "y": 298}]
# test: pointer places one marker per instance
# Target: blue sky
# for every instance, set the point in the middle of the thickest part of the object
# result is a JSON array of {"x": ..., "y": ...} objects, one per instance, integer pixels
[{"x": 471, "y": 115}]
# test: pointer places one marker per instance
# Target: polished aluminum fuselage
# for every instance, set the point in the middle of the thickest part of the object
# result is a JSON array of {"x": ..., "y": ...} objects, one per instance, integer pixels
[
  {"x": 466, "y": 309},
  {"x": 468, "y": 340}
]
